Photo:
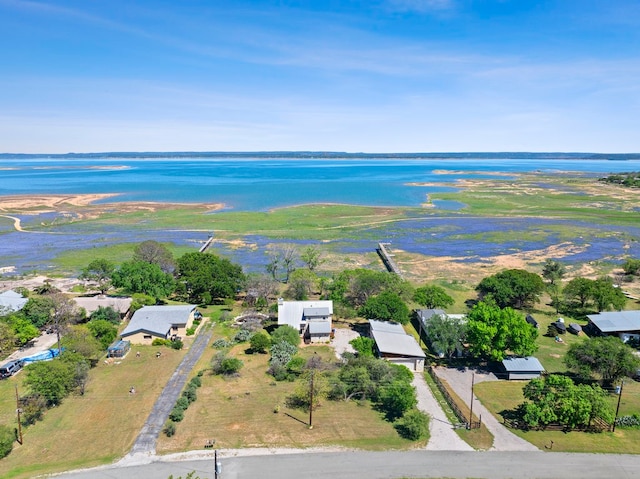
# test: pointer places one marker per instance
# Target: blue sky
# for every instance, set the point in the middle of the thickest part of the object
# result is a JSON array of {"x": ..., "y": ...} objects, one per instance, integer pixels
[{"x": 355, "y": 76}]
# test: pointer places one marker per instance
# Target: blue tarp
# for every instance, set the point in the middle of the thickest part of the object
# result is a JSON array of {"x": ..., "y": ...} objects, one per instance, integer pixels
[{"x": 43, "y": 356}]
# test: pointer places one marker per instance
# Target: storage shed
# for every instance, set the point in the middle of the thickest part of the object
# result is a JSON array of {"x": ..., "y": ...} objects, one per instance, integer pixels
[
  {"x": 522, "y": 368},
  {"x": 396, "y": 346}
]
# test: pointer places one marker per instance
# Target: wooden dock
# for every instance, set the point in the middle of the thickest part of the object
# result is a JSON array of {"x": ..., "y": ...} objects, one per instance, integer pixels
[
  {"x": 387, "y": 259},
  {"x": 206, "y": 245}
]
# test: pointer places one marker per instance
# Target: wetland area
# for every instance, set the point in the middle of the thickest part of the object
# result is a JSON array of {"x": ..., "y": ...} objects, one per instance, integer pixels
[{"x": 444, "y": 217}]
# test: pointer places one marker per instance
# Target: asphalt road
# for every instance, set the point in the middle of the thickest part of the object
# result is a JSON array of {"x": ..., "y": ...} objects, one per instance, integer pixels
[{"x": 386, "y": 465}]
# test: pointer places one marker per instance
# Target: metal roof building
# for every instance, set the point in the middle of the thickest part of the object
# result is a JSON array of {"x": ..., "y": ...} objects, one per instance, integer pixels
[
  {"x": 395, "y": 345},
  {"x": 616, "y": 321},
  {"x": 522, "y": 368},
  {"x": 158, "y": 322}
]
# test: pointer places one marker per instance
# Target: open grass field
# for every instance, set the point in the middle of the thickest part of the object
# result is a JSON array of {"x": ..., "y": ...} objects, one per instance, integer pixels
[
  {"x": 240, "y": 412},
  {"x": 93, "y": 429}
]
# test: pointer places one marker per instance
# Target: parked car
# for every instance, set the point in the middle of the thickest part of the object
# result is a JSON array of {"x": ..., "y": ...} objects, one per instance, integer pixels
[{"x": 9, "y": 369}]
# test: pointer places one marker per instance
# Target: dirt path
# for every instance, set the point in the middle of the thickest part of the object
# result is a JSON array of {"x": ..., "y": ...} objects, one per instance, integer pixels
[
  {"x": 443, "y": 437},
  {"x": 460, "y": 381}
]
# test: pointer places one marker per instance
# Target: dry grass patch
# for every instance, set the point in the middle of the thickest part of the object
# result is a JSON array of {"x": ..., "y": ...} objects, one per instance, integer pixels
[
  {"x": 98, "y": 427},
  {"x": 241, "y": 412}
]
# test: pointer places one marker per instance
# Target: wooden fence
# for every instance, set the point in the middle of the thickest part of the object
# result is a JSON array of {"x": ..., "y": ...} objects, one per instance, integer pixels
[
  {"x": 597, "y": 425},
  {"x": 462, "y": 417}
]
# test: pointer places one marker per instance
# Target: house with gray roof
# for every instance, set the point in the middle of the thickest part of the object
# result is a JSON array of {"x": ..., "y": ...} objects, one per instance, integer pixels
[
  {"x": 624, "y": 324},
  {"x": 396, "y": 346},
  {"x": 164, "y": 322},
  {"x": 10, "y": 302},
  {"x": 522, "y": 368},
  {"x": 312, "y": 319}
]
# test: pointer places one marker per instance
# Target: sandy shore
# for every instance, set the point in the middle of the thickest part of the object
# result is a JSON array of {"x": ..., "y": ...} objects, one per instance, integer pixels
[{"x": 24, "y": 202}]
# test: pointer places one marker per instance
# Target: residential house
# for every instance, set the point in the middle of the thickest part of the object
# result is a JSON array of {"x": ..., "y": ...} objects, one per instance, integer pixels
[
  {"x": 10, "y": 302},
  {"x": 91, "y": 303},
  {"x": 312, "y": 319},
  {"x": 164, "y": 322},
  {"x": 624, "y": 324},
  {"x": 396, "y": 346}
]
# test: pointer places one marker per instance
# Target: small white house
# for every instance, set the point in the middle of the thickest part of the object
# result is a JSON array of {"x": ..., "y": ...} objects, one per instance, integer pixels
[
  {"x": 312, "y": 319},
  {"x": 522, "y": 368},
  {"x": 163, "y": 322}
]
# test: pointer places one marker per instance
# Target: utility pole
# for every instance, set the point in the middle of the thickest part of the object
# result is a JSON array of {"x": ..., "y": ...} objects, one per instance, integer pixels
[
  {"x": 618, "y": 407},
  {"x": 311, "y": 400},
  {"x": 18, "y": 411},
  {"x": 473, "y": 377},
  {"x": 217, "y": 466}
]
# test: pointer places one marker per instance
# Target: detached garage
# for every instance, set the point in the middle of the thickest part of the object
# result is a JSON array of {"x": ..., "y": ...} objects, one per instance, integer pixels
[
  {"x": 396, "y": 346},
  {"x": 522, "y": 368}
]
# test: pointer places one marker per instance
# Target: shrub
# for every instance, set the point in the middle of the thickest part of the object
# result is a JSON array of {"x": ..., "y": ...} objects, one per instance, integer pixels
[
  {"x": 191, "y": 331},
  {"x": 230, "y": 366},
  {"x": 7, "y": 438},
  {"x": 363, "y": 345},
  {"x": 296, "y": 365},
  {"x": 414, "y": 425},
  {"x": 282, "y": 352},
  {"x": 190, "y": 394},
  {"x": 221, "y": 343},
  {"x": 169, "y": 428},
  {"x": 176, "y": 344},
  {"x": 242, "y": 336},
  {"x": 286, "y": 333},
  {"x": 259, "y": 342},
  {"x": 196, "y": 381},
  {"x": 177, "y": 414},
  {"x": 629, "y": 422},
  {"x": 33, "y": 408},
  {"x": 182, "y": 403},
  {"x": 160, "y": 342}
]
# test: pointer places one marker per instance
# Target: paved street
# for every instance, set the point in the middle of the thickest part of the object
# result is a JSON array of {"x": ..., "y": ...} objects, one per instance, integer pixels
[{"x": 385, "y": 465}]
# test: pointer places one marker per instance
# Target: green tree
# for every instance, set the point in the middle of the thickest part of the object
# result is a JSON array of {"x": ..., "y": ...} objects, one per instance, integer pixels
[
  {"x": 260, "y": 342},
  {"x": 99, "y": 271},
  {"x": 553, "y": 271},
  {"x": 286, "y": 333},
  {"x": 142, "y": 277},
  {"x": 386, "y": 306},
  {"x": 151, "y": 251},
  {"x": 81, "y": 340},
  {"x": 17, "y": 330},
  {"x": 207, "y": 277},
  {"x": 606, "y": 296},
  {"x": 53, "y": 380},
  {"x": 106, "y": 313},
  {"x": 631, "y": 266},
  {"x": 38, "y": 310},
  {"x": 397, "y": 398},
  {"x": 606, "y": 358},
  {"x": 104, "y": 331},
  {"x": 579, "y": 291},
  {"x": 516, "y": 288},
  {"x": 354, "y": 287},
  {"x": 445, "y": 334},
  {"x": 432, "y": 296},
  {"x": 556, "y": 399},
  {"x": 302, "y": 283},
  {"x": 7, "y": 338},
  {"x": 363, "y": 345},
  {"x": 494, "y": 331},
  {"x": 312, "y": 257}
]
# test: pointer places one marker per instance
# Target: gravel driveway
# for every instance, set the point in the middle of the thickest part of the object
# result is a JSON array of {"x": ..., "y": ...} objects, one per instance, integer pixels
[{"x": 460, "y": 382}]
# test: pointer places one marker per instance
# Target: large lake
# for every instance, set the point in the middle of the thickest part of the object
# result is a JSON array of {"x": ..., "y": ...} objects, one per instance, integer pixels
[{"x": 261, "y": 184}]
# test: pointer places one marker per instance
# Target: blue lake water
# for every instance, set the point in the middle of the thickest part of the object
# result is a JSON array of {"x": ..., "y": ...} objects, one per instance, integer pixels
[{"x": 260, "y": 184}]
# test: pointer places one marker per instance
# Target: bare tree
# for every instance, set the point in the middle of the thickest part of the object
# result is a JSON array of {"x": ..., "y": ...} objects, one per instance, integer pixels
[
  {"x": 284, "y": 256},
  {"x": 151, "y": 251}
]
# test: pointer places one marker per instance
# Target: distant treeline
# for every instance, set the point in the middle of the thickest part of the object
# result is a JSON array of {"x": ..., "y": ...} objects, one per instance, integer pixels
[
  {"x": 329, "y": 155},
  {"x": 631, "y": 179}
]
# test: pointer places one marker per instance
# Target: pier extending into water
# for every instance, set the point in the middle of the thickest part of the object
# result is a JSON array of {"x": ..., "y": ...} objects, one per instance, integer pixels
[
  {"x": 207, "y": 244},
  {"x": 387, "y": 259}
]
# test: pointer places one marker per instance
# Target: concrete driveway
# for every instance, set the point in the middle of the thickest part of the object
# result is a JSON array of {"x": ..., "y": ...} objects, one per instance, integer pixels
[{"x": 460, "y": 381}]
